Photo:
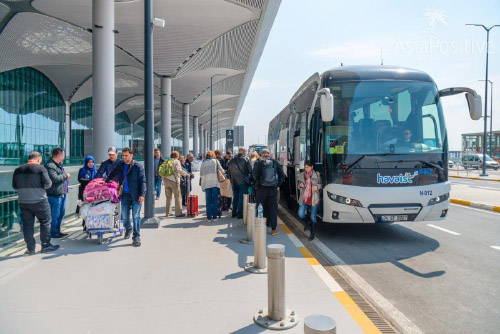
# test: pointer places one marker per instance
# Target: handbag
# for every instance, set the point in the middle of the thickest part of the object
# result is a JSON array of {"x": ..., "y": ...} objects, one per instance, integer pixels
[
  {"x": 220, "y": 175},
  {"x": 120, "y": 189}
]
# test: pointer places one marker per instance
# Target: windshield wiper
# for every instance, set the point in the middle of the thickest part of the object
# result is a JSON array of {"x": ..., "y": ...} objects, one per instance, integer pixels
[
  {"x": 430, "y": 164},
  {"x": 351, "y": 166}
]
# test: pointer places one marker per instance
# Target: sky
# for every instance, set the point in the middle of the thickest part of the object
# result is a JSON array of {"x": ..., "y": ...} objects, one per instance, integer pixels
[{"x": 317, "y": 35}]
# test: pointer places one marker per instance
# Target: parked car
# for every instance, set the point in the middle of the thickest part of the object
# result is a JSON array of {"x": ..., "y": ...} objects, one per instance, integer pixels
[
  {"x": 450, "y": 164},
  {"x": 475, "y": 160}
]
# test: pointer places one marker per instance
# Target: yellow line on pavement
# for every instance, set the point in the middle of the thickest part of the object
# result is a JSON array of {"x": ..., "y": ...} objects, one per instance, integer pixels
[
  {"x": 356, "y": 313},
  {"x": 309, "y": 257},
  {"x": 285, "y": 229},
  {"x": 459, "y": 201},
  {"x": 457, "y": 176},
  {"x": 496, "y": 208}
]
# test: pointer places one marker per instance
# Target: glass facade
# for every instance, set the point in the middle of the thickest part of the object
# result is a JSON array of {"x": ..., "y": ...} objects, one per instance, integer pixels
[
  {"x": 31, "y": 115},
  {"x": 81, "y": 129}
]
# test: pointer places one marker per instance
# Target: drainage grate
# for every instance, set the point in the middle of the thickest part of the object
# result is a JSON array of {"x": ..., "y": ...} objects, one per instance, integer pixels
[{"x": 383, "y": 325}]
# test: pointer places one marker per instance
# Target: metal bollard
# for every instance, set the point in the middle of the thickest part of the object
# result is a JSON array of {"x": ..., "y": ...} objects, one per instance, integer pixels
[
  {"x": 251, "y": 215},
  {"x": 319, "y": 324},
  {"x": 259, "y": 266},
  {"x": 276, "y": 316},
  {"x": 245, "y": 208}
]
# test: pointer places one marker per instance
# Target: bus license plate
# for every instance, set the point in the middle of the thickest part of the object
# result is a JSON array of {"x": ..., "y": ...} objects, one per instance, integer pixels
[{"x": 395, "y": 218}]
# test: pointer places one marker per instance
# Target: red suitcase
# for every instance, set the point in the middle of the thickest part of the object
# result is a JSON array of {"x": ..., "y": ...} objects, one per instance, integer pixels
[{"x": 192, "y": 205}]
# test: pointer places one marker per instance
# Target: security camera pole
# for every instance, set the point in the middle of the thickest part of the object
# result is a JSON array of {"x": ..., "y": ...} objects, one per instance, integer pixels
[{"x": 485, "y": 92}]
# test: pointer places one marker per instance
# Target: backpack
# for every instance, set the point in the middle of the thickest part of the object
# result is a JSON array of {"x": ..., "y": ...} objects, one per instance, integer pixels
[
  {"x": 269, "y": 177},
  {"x": 167, "y": 168}
]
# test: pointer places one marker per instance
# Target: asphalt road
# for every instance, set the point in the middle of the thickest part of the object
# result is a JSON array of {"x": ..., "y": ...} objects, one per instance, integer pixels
[{"x": 444, "y": 276}]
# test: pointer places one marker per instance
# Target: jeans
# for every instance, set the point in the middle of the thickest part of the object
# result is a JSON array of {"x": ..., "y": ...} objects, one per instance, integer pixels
[
  {"x": 29, "y": 211},
  {"x": 57, "y": 212},
  {"x": 158, "y": 186},
  {"x": 268, "y": 197},
  {"x": 212, "y": 199},
  {"x": 128, "y": 204},
  {"x": 302, "y": 211},
  {"x": 238, "y": 192}
]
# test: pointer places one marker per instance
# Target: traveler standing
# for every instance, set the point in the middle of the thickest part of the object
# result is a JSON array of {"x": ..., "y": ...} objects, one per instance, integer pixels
[
  {"x": 107, "y": 166},
  {"x": 189, "y": 169},
  {"x": 172, "y": 180},
  {"x": 85, "y": 175},
  {"x": 222, "y": 161},
  {"x": 309, "y": 185},
  {"x": 31, "y": 180},
  {"x": 184, "y": 182},
  {"x": 57, "y": 192},
  {"x": 239, "y": 170},
  {"x": 253, "y": 157},
  {"x": 268, "y": 176},
  {"x": 210, "y": 184},
  {"x": 158, "y": 160},
  {"x": 132, "y": 180}
]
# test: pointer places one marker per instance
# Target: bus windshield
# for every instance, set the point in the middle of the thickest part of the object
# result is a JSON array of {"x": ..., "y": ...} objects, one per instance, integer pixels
[{"x": 385, "y": 117}]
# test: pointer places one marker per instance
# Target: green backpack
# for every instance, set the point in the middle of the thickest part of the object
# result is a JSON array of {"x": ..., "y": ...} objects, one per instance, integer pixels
[{"x": 167, "y": 168}]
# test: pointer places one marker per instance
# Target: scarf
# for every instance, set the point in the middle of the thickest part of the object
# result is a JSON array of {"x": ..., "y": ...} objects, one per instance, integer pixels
[
  {"x": 308, "y": 191},
  {"x": 88, "y": 173}
]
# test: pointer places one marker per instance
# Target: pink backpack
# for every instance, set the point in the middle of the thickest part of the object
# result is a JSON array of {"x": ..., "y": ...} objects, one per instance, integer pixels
[{"x": 96, "y": 192}]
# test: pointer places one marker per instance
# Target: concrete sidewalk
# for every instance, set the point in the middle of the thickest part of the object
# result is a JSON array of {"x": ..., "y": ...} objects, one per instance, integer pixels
[{"x": 187, "y": 277}]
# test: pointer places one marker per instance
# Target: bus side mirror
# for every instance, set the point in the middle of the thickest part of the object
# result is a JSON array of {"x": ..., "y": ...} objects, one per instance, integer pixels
[
  {"x": 475, "y": 106},
  {"x": 473, "y": 100},
  {"x": 326, "y": 103}
]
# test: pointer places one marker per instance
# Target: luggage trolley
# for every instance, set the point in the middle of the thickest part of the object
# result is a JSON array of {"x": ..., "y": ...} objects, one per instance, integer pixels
[{"x": 99, "y": 225}]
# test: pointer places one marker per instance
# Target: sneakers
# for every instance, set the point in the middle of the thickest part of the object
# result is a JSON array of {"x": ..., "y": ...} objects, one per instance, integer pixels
[
  {"x": 182, "y": 215},
  {"x": 157, "y": 198},
  {"x": 136, "y": 242},
  {"x": 274, "y": 232},
  {"x": 63, "y": 234},
  {"x": 215, "y": 219},
  {"x": 127, "y": 234},
  {"x": 29, "y": 252},
  {"x": 50, "y": 248}
]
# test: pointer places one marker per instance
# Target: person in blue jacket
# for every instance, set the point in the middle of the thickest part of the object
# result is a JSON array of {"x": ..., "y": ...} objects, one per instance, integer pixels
[
  {"x": 132, "y": 179},
  {"x": 107, "y": 166}
]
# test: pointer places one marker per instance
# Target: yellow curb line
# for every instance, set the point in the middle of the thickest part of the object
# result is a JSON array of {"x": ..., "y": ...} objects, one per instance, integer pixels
[
  {"x": 460, "y": 201},
  {"x": 473, "y": 178},
  {"x": 366, "y": 325}
]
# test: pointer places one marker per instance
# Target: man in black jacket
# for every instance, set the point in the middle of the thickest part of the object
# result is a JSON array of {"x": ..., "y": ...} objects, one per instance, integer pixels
[
  {"x": 158, "y": 160},
  {"x": 31, "y": 180},
  {"x": 132, "y": 180},
  {"x": 239, "y": 170},
  {"x": 268, "y": 176},
  {"x": 57, "y": 192}
]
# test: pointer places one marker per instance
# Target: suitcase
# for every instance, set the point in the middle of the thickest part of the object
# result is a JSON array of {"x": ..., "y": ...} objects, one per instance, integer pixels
[{"x": 192, "y": 205}]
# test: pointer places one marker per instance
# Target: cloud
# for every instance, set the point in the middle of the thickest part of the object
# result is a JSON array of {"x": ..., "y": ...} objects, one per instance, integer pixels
[{"x": 350, "y": 50}]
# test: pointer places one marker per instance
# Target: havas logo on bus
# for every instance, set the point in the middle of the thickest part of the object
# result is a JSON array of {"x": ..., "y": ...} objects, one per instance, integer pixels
[{"x": 396, "y": 179}]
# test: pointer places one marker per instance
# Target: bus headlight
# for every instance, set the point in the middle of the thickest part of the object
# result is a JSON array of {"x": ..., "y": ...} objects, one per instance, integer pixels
[
  {"x": 439, "y": 199},
  {"x": 344, "y": 200}
]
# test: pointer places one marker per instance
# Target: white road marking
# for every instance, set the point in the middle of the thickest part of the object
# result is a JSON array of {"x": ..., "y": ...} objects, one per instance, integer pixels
[
  {"x": 443, "y": 229},
  {"x": 471, "y": 208},
  {"x": 330, "y": 282},
  {"x": 495, "y": 247}
]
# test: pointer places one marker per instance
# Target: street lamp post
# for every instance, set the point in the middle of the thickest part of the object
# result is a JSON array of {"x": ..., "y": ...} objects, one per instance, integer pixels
[
  {"x": 491, "y": 115},
  {"x": 485, "y": 91},
  {"x": 211, "y": 110}
]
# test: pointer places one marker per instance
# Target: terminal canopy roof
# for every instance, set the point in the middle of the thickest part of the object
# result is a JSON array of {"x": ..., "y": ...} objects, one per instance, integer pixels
[{"x": 201, "y": 38}]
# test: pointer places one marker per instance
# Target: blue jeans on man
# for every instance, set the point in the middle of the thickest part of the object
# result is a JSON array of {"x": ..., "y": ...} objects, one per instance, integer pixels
[
  {"x": 128, "y": 204},
  {"x": 238, "y": 192},
  {"x": 313, "y": 209},
  {"x": 57, "y": 212},
  {"x": 158, "y": 186},
  {"x": 212, "y": 202}
]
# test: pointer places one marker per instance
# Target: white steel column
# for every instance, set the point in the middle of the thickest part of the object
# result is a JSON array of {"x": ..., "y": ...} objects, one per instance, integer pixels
[
  {"x": 185, "y": 129},
  {"x": 103, "y": 85},
  {"x": 166, "y": 116},
  {"x": 196, "y": 140},
  {"x": 202, "y": 140},
  {"x": 67, "y": 127}
]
